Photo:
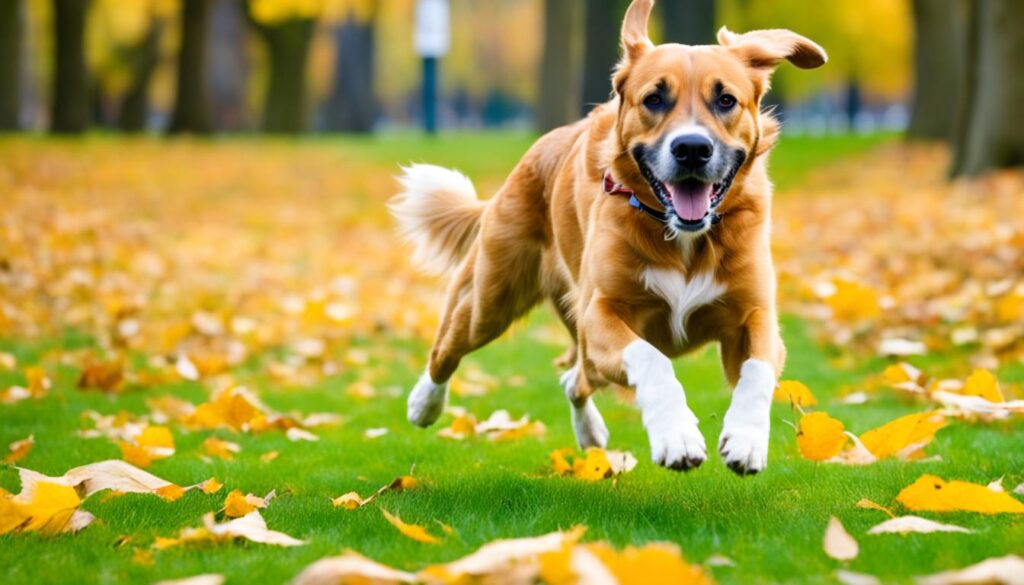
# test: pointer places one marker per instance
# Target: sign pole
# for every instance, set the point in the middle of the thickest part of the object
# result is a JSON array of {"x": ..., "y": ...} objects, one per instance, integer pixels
[{"x": 432, "y": 39}]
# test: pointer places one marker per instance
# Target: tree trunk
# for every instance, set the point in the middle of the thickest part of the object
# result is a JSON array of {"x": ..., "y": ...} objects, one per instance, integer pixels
[
  {"x": 191, "y": 105},
  {"x": 227, "y": 74},
  {"x": 352, "y": 106},
  {"x": 602, "y": 23},
  {"x": 937, "y": 70},
  {"x": 288, "y": 44},
  {"x": 144, "y": 59},
  {"x": 70, "y": 114},
  {"x": 11, "y": 26},
  {"x": 993, "y": 134},
  {"x": 558, "y": 102},
  {"x": 690, "y": 22}
]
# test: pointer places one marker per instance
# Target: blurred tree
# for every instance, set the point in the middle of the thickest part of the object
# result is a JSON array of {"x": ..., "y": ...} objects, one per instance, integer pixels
[
  {"x": 286, "y": 27},
  {"x": 937, "y": 68},
  {"x": 991, "y": 128},
  {"x": 11, "y": 26},
  {"x": 191, "y": 105},
  {"x": 229, "y": 66},
  {"x": 690, "y": 22},
  {"x": 602, "y": 21},
  {"x": 142, "y": 60},
  {"x": 352, "y": 104},
  {"x": 559, "y": 88},
  {"x": 70, "y": 112}
]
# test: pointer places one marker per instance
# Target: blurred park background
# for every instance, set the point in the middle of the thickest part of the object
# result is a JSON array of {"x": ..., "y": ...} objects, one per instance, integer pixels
[{"x": 939, "y": 69}]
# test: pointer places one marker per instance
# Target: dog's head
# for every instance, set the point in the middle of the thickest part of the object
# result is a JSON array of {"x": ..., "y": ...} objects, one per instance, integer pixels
[{"x": 690, "y": 117}]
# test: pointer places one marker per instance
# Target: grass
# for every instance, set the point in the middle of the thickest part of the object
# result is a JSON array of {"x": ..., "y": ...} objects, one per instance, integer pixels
[{"x": 771, "y": 524}]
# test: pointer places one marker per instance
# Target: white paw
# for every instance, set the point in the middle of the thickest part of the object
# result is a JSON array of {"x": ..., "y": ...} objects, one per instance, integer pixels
[
  {"x": 589, "y": 426},
  {"x": 426, "y": 401},
  {"x": 676, "y": 442},
  {"x": 745, "y": 450},
  {"x": 587, "y": 422}
]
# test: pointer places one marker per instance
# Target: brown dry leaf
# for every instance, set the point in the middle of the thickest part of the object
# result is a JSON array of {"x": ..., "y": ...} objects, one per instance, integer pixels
[
  {"x": 906, "y": 524},
  {"x": 869, "y": 505},
  {"x": 819, "y": 436},
  {"x": 904, "y": 437},
  {"x": 1000, "y": 570},
  {"x": 413, "y": 531},
  {"x": 933, "y": 494},
  {"x": 220, "y": 448},
  {"x": 838, "y": 543},
  {"x": 352, "y": 568},
  {"x": 105, "y": 375},
  {"x": 794, "y": 392},
  {"x": 19, "y": 449}
]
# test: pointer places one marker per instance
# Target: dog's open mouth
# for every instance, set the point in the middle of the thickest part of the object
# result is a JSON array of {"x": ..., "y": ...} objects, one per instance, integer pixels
[{"x": 691, "y": 200}]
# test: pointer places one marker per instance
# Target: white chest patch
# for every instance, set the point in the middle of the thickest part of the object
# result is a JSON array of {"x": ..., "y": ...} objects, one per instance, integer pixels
[{"x": 683, "y": 296}]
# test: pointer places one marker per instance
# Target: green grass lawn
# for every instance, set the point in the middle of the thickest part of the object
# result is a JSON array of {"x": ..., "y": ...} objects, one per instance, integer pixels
[{"x": 771, "y": 525}]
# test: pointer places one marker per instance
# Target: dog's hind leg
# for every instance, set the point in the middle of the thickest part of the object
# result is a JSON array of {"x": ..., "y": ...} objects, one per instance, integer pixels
[{"x": 498, "y": 282}]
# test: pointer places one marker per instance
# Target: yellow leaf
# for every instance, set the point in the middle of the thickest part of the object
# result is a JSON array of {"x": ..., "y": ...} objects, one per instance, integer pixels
[
  {"x": 793, "y": 392},
  {"x": 46, "y": 509},
  {"x": 853, "y": 301},
  {"x": 983, "y": 383},
  {"x": 19, "y": 450},
  {"x": 215, "y": 447},
  {"x": 211, "y": 486},
  {"x": 559, "y": 460},
  {"x": 462, "y": 427},
  {"x": 932, "y": 494},
  {"x": 593, "y": 467},
  {"x": 819, "y": 436},
  {"x": 651, "y": 563},
  {"x": 413, "y": 531},
  {"x": 134, "y": 454},
  {"x": 155, "y": 437},
  {"x": 349, "y": 501},
  {"x": 171, "y": 492},
  {"x": 237, "y": 505},
  {"x": 869, "y": 505},
  {"x": 911, "y": 432}
]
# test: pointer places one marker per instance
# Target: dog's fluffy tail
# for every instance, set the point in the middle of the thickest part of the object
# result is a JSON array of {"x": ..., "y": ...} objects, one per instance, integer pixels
[{"x": 439, "y": 213}]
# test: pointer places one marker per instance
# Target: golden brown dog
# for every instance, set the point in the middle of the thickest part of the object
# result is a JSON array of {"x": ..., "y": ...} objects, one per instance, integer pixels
[{"x": 646, "y": 224}]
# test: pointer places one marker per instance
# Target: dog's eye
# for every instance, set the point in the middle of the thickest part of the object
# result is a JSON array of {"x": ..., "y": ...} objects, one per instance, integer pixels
[
  {"x": 725, "y": 102},
  {"x": 653, "y": 101}
]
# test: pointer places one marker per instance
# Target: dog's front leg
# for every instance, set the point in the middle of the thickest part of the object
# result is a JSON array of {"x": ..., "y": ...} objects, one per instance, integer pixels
[
  {"x": 620, "y": 355},
  {"x": 753, "y": 362}
]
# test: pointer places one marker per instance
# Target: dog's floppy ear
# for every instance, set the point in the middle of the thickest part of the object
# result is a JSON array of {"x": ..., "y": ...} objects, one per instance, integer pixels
[
  {"x": 634, "y": 30},
  {"x": 765, "y": 49}
]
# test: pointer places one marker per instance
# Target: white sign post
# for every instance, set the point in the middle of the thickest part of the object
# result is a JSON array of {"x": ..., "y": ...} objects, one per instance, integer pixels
[{"x": 432, "y": 39}]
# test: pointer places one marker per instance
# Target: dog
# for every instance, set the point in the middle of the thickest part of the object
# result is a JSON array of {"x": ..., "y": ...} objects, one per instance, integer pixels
[{"x": 646, "y": 224}]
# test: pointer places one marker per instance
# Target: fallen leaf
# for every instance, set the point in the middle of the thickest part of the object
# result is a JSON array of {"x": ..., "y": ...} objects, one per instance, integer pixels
[
  {"x": 850, "y": 578},
  {"x": 237, "y": 505},
  {"x": 519, "y": 557},
  {"x": 351, "y": 568},
  {"x": 650, "y": 563},
  {"x": 904, "y": 437},
  {"x": 220, "y": 448},
  {"x": 838, "y": 543},
  {"x": 984, "y": 384},
  {"x": 375, "y": 433},
  {"x": 19, "y": 449},
  {"x": 413, "y": 531},
  {"x": 794, "y": 392},
  {"x": 462, "y": 427},
  {"x": 905, "y": 524},
  {"x": 207, "y": 579},
  {"x": 1000, "y": 570},
  {"x": 595, "y": 464},
  {"x": 349, "y": 501},
  {"x": 210, "y": 486},
  {"x": 296, "y": 434},
  {"x": 869, "y": 505},
  {"x": 819, "y": 436},
  {"x": 250, "y": 527},
  {"x": 996, "y": 485},
  {"x": 42, "y": 506},
  {"x": 932, "y": 494}
]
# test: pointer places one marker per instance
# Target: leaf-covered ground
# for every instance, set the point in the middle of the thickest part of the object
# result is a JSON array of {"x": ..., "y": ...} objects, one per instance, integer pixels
[{"x": 174, "y": 269}]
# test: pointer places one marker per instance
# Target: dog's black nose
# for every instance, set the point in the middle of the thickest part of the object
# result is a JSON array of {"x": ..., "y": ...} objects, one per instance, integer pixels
[{"x": 692, "y": 150}]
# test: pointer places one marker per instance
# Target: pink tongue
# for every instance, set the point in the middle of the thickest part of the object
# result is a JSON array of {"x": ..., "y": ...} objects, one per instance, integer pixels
[{"x": 691, "y": 199}]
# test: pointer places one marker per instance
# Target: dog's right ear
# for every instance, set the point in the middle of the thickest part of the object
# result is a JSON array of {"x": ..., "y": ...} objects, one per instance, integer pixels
[{"x": 635, "y": 41}]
